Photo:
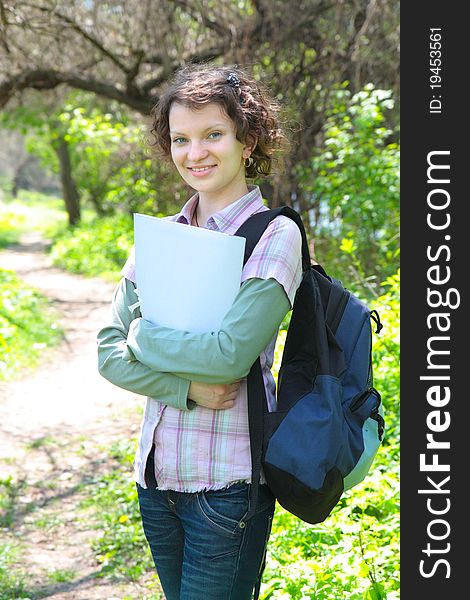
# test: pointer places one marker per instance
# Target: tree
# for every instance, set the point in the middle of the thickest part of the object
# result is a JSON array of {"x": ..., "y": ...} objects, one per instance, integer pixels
[
  {"x": 353, "y": 189},
  {"x": 126, "y": 50}
]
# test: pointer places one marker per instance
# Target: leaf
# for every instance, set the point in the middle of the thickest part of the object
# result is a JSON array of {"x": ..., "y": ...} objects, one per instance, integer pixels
[{"x": 348, "y": 246}]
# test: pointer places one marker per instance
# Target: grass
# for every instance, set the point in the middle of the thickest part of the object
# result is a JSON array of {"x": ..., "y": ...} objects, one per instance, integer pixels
[
  {"x": 27, "y": 321},
  {"x": 121, "y": 549},
  {"x": 46, "y": 522},
  {"x": 353, "y": 555},
  {"x": 95, "y": 247},
  {"x": 30, "y": 211},
  {"x": 28, "y": 326},
  {"x": 12, "y": 580},
  {"x": 40, "y": 442},
  {"x": 61, "y": 575},
  {"x": 11, "y": 226},
  {"x": 10, "y": 491}
]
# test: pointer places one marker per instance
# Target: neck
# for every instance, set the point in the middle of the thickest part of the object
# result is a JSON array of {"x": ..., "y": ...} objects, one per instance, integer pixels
[{"x": 206, "y": 207}]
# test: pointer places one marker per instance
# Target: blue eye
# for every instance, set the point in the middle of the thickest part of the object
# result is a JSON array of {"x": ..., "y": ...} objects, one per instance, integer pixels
[
  {"x": 216, "y": 133},
  {"x": 179, "y": 140}
]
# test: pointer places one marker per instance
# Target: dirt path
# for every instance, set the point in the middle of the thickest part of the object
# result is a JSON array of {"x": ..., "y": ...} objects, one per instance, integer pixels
[{"x": 53, "y": 424}]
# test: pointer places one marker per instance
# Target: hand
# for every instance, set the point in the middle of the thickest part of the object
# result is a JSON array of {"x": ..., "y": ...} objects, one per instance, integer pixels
[{"x": 214, "y": 395}]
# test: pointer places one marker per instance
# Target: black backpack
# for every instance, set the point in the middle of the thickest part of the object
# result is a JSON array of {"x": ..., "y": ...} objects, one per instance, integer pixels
[{"x": 328, "y": 423}]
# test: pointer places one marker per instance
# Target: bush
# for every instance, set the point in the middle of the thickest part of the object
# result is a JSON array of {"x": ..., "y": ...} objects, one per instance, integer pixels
[
  {"x": 31, "y": 211},
  {"x": 99, "y": 247},
  {"x": 10, "y": 228},
  {"x": 352, "y": 187},
  {"x": 354, "y": 554}
]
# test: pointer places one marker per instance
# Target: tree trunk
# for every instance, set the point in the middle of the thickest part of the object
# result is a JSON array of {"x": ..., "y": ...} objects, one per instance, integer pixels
[
  {"x": 69, "y": 189},
  {"x": 18, "y": 175}
]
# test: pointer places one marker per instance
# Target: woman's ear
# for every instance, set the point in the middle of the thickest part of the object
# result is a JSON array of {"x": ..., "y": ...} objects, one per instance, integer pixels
[{"x": 251, "y": 145}]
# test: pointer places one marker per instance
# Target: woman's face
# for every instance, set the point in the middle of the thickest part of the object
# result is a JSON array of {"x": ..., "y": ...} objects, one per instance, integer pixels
[{"x": 206, "y": 152}]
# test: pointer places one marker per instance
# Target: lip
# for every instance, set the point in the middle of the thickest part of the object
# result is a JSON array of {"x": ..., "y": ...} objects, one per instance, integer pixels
[{"x": 202, "y": 173}]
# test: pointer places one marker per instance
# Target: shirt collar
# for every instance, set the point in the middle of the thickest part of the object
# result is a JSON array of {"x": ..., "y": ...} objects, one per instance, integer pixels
[{"x": 230, "y": 218}]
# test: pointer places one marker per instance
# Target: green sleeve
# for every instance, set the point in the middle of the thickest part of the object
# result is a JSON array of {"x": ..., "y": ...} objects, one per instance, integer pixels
[
  {"x": 215, "y": 357},
  {"x": 116, "y": 364}
]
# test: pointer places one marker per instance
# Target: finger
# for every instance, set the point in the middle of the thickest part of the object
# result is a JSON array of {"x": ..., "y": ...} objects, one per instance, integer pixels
[{"x": 223, "y": 406}]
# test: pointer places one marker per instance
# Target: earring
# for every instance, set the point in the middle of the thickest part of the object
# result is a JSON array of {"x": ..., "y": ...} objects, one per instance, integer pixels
[{"x": 250, "y": 162}]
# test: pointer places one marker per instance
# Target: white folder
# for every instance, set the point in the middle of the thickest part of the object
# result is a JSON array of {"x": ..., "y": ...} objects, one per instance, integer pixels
[{"x": 187, "y": 277}]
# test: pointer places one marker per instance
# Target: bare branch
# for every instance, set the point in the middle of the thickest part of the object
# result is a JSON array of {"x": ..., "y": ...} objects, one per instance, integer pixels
[
  {"x": 198, "y": 15},
  {"x": 50, "y": 79},
  {"x": 207, "y": 56},
  {"x": 92, "y": 40}
]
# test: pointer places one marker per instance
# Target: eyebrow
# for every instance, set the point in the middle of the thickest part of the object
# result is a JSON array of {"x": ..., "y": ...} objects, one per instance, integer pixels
[{"x": 214, "y": 126}]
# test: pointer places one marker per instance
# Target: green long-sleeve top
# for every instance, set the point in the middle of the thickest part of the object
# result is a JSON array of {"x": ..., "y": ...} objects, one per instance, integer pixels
[{"x": 161, "y": 362}]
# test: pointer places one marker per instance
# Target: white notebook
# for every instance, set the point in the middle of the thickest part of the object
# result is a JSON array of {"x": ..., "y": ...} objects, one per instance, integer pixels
[{"x": 187, "y": 277}]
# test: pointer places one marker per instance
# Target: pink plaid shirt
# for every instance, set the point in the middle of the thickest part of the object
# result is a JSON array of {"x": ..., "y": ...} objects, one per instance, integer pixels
[{"x": 204, "y": 449}]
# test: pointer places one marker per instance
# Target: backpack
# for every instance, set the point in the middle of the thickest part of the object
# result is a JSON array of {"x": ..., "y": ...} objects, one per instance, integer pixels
[{"x": 328, "y": 423}]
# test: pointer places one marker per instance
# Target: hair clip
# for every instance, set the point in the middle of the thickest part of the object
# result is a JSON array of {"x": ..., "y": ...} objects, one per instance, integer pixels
[
  {"x": 233, "y": 80},
  {"x": 235, "y": 83}
]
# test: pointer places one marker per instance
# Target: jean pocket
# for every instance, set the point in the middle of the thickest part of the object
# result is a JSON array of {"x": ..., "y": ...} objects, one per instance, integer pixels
[{"x": 224, "y": 509}]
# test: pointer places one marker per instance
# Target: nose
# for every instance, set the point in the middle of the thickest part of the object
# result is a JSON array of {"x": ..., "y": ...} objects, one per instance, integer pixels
[{"x": 197, "y": 151}]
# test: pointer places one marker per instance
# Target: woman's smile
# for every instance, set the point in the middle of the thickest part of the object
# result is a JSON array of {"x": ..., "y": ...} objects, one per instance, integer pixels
[{"x": 202, "y": 171}]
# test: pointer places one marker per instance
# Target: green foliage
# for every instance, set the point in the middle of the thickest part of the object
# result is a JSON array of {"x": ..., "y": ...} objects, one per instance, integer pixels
[
  {"x": 31, "y": 211},
  {"x": 353, "y": 184},
  {"x": 121, "y": 548},
  {"x": 12, "y": 581},
  {"x": 27, "y": 325},
  {"x": 61, "y": 575},
  {"x": 387, "y": 354},
  {"x": 103, "y": 147},
  {"x": 354, "y": 554},
  {"x": 11, "y": 225},
  {"x": 99, "y": 247},
  {"x": 109, "y": 154},
  {"x": 10, "y": 491}
]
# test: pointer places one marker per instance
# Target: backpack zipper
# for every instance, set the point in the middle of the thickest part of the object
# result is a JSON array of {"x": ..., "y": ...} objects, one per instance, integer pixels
[
  {"x": 377, "y": 416},
  {"x": 362, "y": 397},
  {"x": 359, "y": 400},
  {"x": 380, "y": 422}
]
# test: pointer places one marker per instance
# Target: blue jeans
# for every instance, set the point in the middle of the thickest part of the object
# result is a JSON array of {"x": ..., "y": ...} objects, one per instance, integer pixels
[{"x": 201, "y": 547}]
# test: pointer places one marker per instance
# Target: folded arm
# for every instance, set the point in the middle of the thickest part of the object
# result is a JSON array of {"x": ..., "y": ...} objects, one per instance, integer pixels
[
  {"x": 215, "y": 357},
  {"x": 117, "y": 365}
]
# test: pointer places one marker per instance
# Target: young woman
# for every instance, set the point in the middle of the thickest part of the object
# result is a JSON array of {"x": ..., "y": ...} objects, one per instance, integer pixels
[{"x": 193, "y": 464}]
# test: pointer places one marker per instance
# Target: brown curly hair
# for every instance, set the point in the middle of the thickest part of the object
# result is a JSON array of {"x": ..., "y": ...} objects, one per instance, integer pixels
[{"x": 254, "y": 114}]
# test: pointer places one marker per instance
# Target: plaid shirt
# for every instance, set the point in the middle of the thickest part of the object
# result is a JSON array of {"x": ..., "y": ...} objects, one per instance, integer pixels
[{"x": 204, "y": 449}]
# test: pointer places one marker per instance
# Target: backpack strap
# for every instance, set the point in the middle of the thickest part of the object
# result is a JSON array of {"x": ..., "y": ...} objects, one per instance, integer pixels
[
  {"x": 336, "y": 300},
  {"x": 252, "y": 230}
]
